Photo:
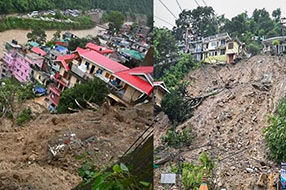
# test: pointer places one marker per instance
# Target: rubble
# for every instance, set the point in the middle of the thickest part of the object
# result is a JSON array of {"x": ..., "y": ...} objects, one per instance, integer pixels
[
  {"x": 45, "y": 153},
  {"x": 232, "y": 121}
]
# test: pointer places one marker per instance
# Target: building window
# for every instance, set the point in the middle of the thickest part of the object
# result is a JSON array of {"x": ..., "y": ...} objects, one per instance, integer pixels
[
  {"x": 107, "y": 75},
  {"x": 66, "y": 75},
  {"x": 215, "y": 53},
  {"x": 87, "y": 65},
  {"x": 222, "y": 42},
  {"x": 99, "y": 71},
  {"x": 222, "y": 52},
  {"x": 230, "y": 46},
  {"x": 92, "y": 69}
]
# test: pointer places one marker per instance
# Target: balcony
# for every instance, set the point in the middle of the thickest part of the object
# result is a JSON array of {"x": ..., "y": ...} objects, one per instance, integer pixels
[
  {"x": 55, "y": 90},
  {"x": 78, "y": 70},
  {"x": 106, "y": 80},
  {"x": 116, "y": 89},
  {"x": 54, "y": 99}
]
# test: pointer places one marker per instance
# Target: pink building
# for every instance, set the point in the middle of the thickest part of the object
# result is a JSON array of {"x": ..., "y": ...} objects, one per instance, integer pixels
[{"x": 19, "y": 63}]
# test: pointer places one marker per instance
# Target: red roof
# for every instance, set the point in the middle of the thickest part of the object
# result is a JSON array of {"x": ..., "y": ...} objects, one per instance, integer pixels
[
  {"x": 99, "y": 49},
  {"x": 38, "y": 50},
  {"x": 135, "y": 81},
  {"x": 142, "y": 70},
  {"x": 103, "y": 61},
  {"x": 64, "y": 58},
  {"x": 80, "y": 50}
]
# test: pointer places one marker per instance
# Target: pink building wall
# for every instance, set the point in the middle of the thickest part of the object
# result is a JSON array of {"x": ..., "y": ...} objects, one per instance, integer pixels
[{"x": 20, "y": 65}]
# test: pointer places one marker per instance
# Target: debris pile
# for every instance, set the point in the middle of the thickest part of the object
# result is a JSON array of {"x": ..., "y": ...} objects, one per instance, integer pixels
[
  {"x": 229, "y": 124},
  {"x": 46, "y": 153}
]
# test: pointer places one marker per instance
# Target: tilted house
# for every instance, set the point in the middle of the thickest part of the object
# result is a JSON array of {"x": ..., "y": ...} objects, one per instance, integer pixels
[{"x": 133, "y": 85}]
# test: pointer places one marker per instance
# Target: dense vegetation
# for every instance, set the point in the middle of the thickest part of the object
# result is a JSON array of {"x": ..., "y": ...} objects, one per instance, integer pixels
[
  {"x": 275, "y": 133},
  {"x": 24, "y": 116},
  {"x": 178, "y": 138},
  {"x": 81, "y": 22},
  {"x": 92, "y": 91},
  {"x": 115, "y": 19},
  {"x": 136, "y": 6},
  {"x": 11, "y": 92},
  {"x": 117, "y": 179}
]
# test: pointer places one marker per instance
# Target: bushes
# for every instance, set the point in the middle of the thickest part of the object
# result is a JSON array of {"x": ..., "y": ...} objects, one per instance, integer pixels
[
  {"x": 174, "y": 105},
  {"x": 92, "y": 91},
  {"x": 192, "y": 174},
  {"x": 117, "y": 179},
  {"x": 24, "y": 116},
  {"x": 178, "y": 139},
  {"x": 275, "y": 133},
  {"x": 25, "y": 92}
]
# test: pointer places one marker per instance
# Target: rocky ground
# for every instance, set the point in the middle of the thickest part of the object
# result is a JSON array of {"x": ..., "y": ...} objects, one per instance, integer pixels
[
  {"x": 45, "y": 153},
  {"x": 229, "y": 124}
]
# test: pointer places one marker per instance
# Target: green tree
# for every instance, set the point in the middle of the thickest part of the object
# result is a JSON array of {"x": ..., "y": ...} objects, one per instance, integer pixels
[
  {"x": 174, "y": 105},
  {"x": 57, "y": 35},
  {"x": 275, "y": 133},
  {"x": 165, "y": 46},
  {"x": 77, "y": 42},
  {"x": 94, "y": 91},
  {"x": 201, "y": 21},
  {"x": 276, "y": 14},
  {"x": 37, "y": 35},
  {"x": 254, "y": 48},
  {"x": 115, "y": 19}
]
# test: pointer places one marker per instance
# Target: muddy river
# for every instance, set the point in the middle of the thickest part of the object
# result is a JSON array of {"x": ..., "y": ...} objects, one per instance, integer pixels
[{"x": 21, "y": 35}]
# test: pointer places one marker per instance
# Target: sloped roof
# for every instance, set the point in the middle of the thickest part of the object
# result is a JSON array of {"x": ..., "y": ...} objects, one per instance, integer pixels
[
  {"x": 101, "y": 60},
  {"x": 64, "y": 58},
  {"x": 135, "y": 81},
  {"x": 38, "y": 50},
  {"x": 142, "y": 70},
  {"x": 99, "y": 49},
  {"x": 133, "y": 54}
]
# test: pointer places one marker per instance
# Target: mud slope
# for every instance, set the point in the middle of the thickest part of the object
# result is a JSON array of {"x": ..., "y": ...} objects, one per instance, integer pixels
[
  {"x": 231, "y": 122},
  {"x": 27, "y": 163}
]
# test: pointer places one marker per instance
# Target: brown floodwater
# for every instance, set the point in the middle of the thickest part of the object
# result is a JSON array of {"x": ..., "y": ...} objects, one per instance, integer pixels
[{"x": 21, "y": 35}]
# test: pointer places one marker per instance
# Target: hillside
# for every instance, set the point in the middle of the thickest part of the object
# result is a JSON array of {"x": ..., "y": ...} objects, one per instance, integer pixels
[
  {"x": 20, "y": 6},
  {"x": 27, "y": 160},
  {"x": 229, "y": 124}
]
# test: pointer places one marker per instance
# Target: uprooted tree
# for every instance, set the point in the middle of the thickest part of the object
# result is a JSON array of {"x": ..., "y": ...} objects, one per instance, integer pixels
[{"x": 82, "y": 96}]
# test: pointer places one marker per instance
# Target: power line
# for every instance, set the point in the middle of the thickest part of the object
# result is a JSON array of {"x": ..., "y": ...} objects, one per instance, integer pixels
[
  {"x": 164, "y": 20},
  {"x": 197, "y": 3},
  {"x": 204, "y": 2},
  {"x": 179, "y": 5},
  {"x": 168, "y": 9}
]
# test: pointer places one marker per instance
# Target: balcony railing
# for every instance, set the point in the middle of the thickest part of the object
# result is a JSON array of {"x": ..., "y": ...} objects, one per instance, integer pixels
[
  {"x": 54, "y": 99},
  {"x": 78, "y": 71},
  {"x": 55, "y": 89}
]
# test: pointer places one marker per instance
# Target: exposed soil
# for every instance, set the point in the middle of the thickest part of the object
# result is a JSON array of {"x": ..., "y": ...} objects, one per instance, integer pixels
[
  {"x": 26, "y": 161},
  {"x": 229, "y": 124}
]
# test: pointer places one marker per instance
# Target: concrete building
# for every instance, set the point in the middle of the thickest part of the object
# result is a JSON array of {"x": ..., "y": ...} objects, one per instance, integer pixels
[{"x": 275, "y": 45}]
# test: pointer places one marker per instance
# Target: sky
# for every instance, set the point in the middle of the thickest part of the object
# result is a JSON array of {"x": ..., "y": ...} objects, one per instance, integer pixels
[{"x": 229, "y": 8}]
